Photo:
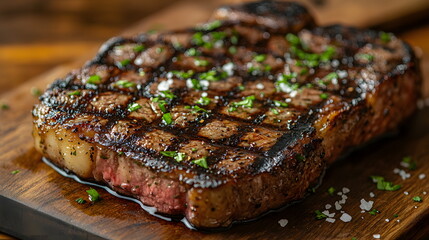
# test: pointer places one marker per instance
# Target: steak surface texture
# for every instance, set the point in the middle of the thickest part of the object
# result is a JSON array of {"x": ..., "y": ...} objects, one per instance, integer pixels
[{"x": 227, "y": 120}]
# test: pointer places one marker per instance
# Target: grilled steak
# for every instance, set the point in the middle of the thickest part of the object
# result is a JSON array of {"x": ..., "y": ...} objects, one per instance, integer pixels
[{"x": 227, "y": 120}]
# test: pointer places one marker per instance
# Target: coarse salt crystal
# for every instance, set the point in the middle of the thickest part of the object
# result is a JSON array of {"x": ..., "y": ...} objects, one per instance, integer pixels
[
  {"x": 346, "y": 217},
  {"x": 339, "y": 193},
  {"x": 204, "y": 94},
  {"x": 344, "y": 197},
  {"x": 424, "y": 193},
  {"x": 328, "y": 206},
  {"x": 406, "y": 193},
  {"x": 396, "y": 170},
  {"x": 346, "y": 190},
  {"x": 331, "y": 220},
  {"x": 260, "y": 86},
  {"x": 377, "y": 236},
  {"x": 366, "y": 205},
  {"x": 362, "y": 211},
  {"x": 165, "y": 85},
  {"x": 387, "y": 220},
  {"x": 342, "y": 201},
  {"x": 169, "y": 75},
  {"x": 371, "y": 194},
  {"x": 326, "y": 212},
  {"x": 415, "y": 206},
  {"x": 422, "y": 176},
  {"x": 283, "y": 222},
  {"x": 228, "y": 68},
  {"x": 337, "y": 206}
]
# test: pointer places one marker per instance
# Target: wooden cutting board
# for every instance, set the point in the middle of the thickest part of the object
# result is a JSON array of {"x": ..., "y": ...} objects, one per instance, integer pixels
[{"x": 38, "y": 203}]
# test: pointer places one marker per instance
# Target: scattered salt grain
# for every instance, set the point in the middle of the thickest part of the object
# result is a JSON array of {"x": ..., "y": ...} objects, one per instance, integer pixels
[
  {"x": 415, "y": 206},
  {"x": 331, "y": 220},
  {"x": 165, "y": 85},
  {"x": 424, "y": 193},
  {"x": 260, "y": 86},
  {"x": 228, "y": 68},
  {"x": 398, "y": 220},
  {"x": 406, "y": 193},
  {"x": 377, "y": 236},
  {"x": 328, "y": 206},
  {"x": 387, "y": 220},
  {"x": 331, "y": 215},
  {"x": 339, "y": 193},
  {"x": 204, "y": 94},
  {"x": 283, "y": 222},
  {"x": 346, "y": 190},
  {"x": 366, "y": 205},
  {"x": 362, "y": 211},
  {"x": 396, "y": 170},
  {"x": 422, "y": 176},
  {"x": 337, "y": 205},
  {"x": 371, "y": 194},
  {"x": 346, "y": 217}
]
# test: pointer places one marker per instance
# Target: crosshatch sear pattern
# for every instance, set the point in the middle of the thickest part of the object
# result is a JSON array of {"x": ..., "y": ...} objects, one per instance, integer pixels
[{"x": 230, "y": 98}]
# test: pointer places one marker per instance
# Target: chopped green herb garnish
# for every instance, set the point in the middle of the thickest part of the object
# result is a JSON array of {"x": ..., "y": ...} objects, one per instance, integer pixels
[
  {"x": 365, "y": 56},
  {"x": 168, "y": 119},
  {"x": 385, "y": 37},
  {"x": 384, "y": 185},
  {"x": 125, "y": 84},
  {"x": 374, "y": 212},
  {"x": 196, "y": 84},
  {"x": 260, "y": 58},
  {"x": 203, "y": 101},
  {"x": 417, "y": 199},
  {"x": 320, "y": 215},
  {"x": 168, "y": 94},
  {"x": 324, "y": 96},
  {"x": 141, "y": 72},
  {"x": 210, "y": 26},
  {"x": 280, "y": 104},
  {"x": 93, "y": 195},
  {"x": 197, "y": 38},
  {"x": 94, "y": 79},
  {"x": 74, "y": 153},
  {"x": 328, "y": 54},
  {"x": 408, "y": 163},
  {"x": 134, "y": 107},
  {"x": 161, "y": 106},
  {"x": 217, "y": 36},
  {"x": 178, "y": 156},
  {"x": 124, "y": 62},
  {"x": 168, "y": 153},
  {"x": 234, "y": 39},
  {"x": 196, "y": 109},
  {"x": 232, "y": 50},
  {"x": 201, "y": 62},
  {"x": 80, "y": 201},
  {"x": 138, "y": 48},
  {"x": 35, "y": 92},
  {"x": 241, "y": 87},
  {"x": 192, "y": 52},
  {"x": 354, "y": 238},
  {"x": 293, "y": 39},
  {"x": 246, "y": 103},
  {"x": 331, "y": 76},
  {"x": 331, "y": 191},
  {"x": 202, "y": 162},
  {"x": 395, "y": 215},
  {"x": 274, "y": 111},
  {"x": 213, "y": 75},
  {"x": 74, "y": 93},
  {"x": 15, "y": 172},
  {"x": 4, "y": 106},
  {"x": 159, "y": 49},
  {"x": 183, "y": 74}
]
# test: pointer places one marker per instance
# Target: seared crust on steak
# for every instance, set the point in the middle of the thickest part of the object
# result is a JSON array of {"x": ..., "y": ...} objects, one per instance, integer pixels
[{"x": 230, "y": 119}]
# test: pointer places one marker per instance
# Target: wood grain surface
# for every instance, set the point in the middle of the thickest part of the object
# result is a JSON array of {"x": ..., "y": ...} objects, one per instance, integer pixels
[{"x": 38, "y": 203}]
